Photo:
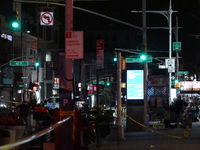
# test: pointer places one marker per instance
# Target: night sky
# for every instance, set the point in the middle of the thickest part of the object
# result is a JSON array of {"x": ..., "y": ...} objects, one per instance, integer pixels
[
  {"x": 188, "y": 18},
  {"x": 157, "y": 39}
]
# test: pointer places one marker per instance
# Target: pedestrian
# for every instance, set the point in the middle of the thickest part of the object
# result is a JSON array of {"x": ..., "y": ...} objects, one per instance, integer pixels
[{"x": 180, "y": 106}]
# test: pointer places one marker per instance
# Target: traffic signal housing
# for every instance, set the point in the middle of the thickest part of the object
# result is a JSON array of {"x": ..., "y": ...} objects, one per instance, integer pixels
[
  {"x": 115, "y": 57},
  {"x": 14, "y": 20},
  {"x": 176, "y": 83},
  {"x": 123, "y": 64},
  {"x": 35, "y": 63}
]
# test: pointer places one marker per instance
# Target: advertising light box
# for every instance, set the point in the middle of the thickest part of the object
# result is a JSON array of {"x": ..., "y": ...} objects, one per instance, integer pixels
[
  {"x": 135, "y": 84},
  {"x": 190, "y": 85}
]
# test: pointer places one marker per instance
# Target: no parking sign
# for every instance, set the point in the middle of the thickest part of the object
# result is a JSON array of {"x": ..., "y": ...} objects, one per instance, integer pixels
[{"x": 46, "y": 18}]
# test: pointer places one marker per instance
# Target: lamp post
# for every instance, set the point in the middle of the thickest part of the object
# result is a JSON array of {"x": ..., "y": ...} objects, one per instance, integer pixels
[
  {"x": 168, "y": 15},
  {"x": 119, "y": 102}
]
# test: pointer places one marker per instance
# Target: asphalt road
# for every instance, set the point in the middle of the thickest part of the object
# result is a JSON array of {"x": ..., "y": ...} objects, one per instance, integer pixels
[{"x": 153, "y": 139}]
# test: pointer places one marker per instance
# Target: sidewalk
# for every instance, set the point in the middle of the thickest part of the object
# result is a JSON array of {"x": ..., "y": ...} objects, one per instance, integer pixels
[{"x": 156, "y": 139}]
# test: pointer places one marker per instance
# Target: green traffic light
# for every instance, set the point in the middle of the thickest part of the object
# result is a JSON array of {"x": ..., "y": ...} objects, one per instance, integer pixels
[
  {"x": 115, "y": 59},
  {"x": 37, "y": 64},
  {"x": 108, "y": 83},
  {"x": 176, "y": 81},
  {"x": 15, "y": 24},
  {"x": 143, "y": 57}
]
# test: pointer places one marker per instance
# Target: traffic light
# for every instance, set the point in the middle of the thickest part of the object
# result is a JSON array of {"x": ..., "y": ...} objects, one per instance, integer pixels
[
  {"x": 176, "y": 81},
  {"x": 108, "y": 84},
  {"x": 37, "y": 64},
  {"x": 15, "y": 17},
  {"x": 115, "y": 59},
  {"x": 143, "y": 57}
]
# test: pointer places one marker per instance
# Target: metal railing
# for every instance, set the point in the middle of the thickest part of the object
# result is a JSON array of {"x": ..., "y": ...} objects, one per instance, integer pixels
[{"x": 34, "y": 136}]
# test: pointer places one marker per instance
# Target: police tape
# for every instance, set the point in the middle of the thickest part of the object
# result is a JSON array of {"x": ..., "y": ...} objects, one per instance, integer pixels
[
  {"x": 178, "y": 137},
  {"x": 34, "y": 136}
]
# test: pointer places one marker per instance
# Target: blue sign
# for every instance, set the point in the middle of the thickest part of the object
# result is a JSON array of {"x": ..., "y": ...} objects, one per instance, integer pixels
[
  {"x": 52, "y": 105},
  {"x": 7, "y": 81},
  {"x": 135, "y": 84}
]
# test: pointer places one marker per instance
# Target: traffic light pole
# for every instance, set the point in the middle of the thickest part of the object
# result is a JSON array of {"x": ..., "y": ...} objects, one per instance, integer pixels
[
  {"x": 177, "y": 54},
  {"x": 144, "y": 40},
  {"x": 170, "y": 47},
  {"x": 119, "y": 102},
  {"x": 168, "y": 15}
]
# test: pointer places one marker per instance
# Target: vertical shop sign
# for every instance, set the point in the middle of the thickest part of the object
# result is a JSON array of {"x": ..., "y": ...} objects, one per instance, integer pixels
[{"x": 100, "y": 54}]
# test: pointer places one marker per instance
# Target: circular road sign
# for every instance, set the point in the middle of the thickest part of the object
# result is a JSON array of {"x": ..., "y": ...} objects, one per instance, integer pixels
[{"x": 46, "y": 18}]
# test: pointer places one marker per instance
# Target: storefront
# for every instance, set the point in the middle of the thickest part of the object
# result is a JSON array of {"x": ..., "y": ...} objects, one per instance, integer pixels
[{"x": 190, "y": 92}]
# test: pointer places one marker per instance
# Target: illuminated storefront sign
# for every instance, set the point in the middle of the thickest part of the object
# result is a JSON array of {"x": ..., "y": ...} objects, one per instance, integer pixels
[
  {"x": 6, "y": 36},
  {"x": 190, "y": 85}
]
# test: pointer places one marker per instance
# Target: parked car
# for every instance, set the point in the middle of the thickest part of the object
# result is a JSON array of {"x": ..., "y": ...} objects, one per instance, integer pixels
[{"x": 52, "y": 102}]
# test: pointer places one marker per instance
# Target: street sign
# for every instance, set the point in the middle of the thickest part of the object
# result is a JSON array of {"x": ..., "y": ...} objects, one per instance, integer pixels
[
  {"x": 22, "y": 85},
  {"x": 138, "y": 60},
  {"x": 171, "y": 69},
  {"x": 74, "y": 44},
  {"x": 183, "y": 72},
  {"x": 46, "y": 18},
  {"x": 176, "y": 46},
  {"x": 170, "y": 65},
  {"x": 100, "y": 82},
  {"x": 18, "y": 63}
]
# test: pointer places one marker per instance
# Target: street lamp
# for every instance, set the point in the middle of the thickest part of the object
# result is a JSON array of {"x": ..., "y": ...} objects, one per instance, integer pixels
[{"x": 168, "y": 15}]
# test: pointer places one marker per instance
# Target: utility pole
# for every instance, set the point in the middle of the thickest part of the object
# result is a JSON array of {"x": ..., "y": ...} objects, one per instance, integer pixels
[
  {"x": 168, "y": 15},
  {"x": 69, "y": 27},
  {"x": 177, "y": 52},
  {"x": 170, "y": 47},
  {"x": 64, "y": 141},
  {"x": 144, "y": 44},
  {"x": 119, "y": 102}
]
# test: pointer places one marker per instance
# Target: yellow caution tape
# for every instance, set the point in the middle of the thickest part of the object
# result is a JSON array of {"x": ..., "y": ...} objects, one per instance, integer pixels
[
  {"x": 153, "y": 129},
  {"x": 34, "y": 136}
]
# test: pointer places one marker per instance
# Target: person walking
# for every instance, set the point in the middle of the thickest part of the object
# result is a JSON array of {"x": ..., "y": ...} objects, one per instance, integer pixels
[{"x": 180, "y": 106}]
